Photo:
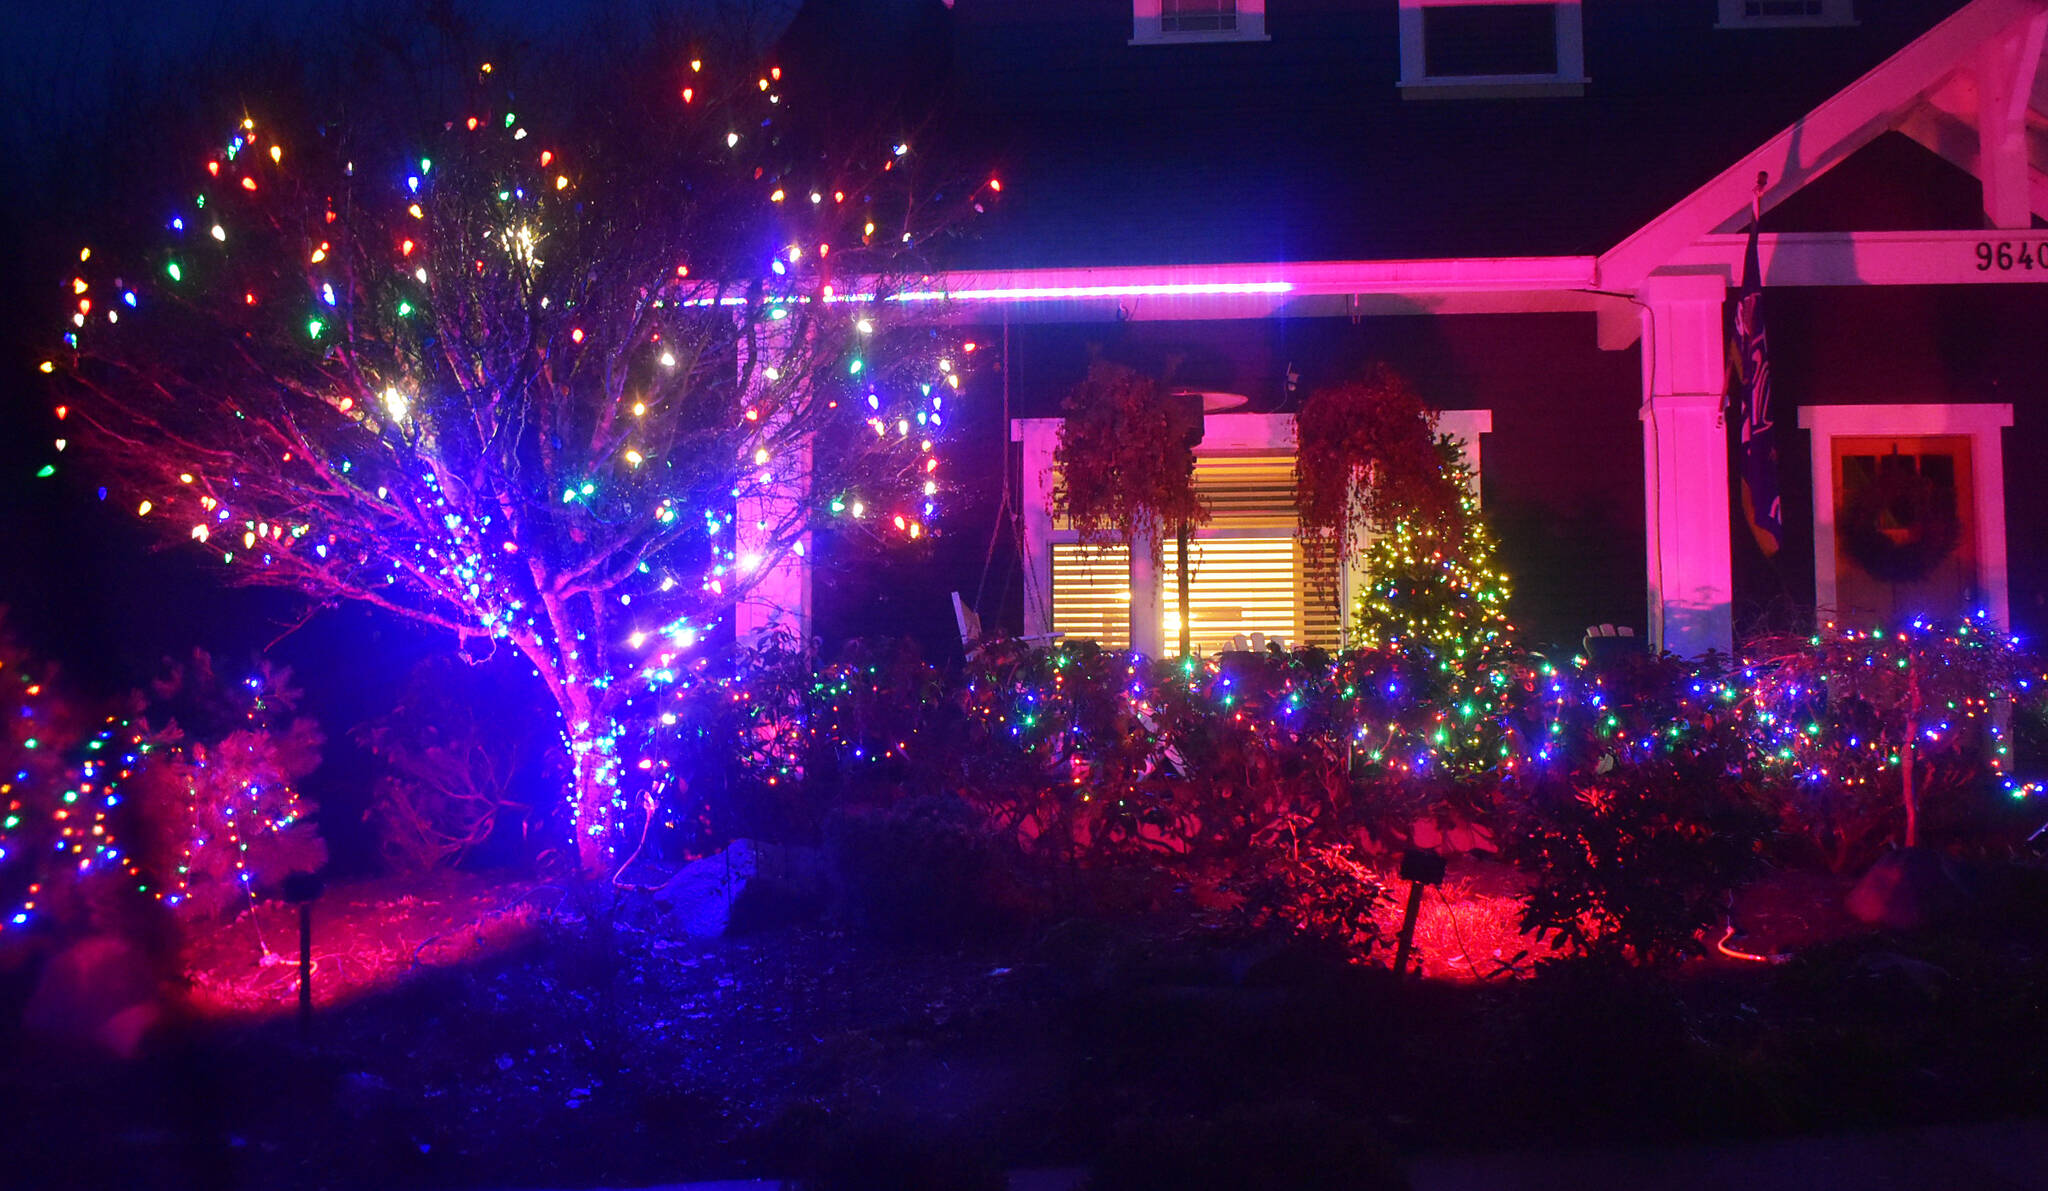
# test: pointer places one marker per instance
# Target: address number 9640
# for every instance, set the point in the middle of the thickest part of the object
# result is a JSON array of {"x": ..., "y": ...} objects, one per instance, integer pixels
[{"x": 2007, "y": 255}]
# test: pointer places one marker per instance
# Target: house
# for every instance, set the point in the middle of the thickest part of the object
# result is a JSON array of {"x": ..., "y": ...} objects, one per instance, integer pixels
[{"x": 1537, "y": 212}]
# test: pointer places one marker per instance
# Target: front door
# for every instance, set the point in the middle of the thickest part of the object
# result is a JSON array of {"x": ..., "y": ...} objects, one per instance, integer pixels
[{"x": 1905, "y": 527}]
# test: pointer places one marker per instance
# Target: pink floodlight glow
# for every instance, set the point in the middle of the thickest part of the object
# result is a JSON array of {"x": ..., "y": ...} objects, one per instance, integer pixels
[
  {"x": 1046, "y": 293},
  {"x": 1033, "y": 293}
]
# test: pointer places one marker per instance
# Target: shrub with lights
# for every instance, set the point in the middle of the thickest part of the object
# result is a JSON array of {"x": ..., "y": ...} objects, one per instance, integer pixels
[
  {"x": 222, "y": 819},
  {"x": 1637, "y": 793},
  {"x": 1638, "y": 812},
  {"x": 570, "y": 391},
  {"x": 1874, "y": 733},
  {"x": 63, "y": 788}
]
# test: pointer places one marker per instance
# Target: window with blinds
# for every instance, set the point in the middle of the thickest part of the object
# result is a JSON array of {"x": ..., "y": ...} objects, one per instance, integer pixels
[
  {"x": 1091, "y": 593},
  {"x": 1247, "y": 573}
]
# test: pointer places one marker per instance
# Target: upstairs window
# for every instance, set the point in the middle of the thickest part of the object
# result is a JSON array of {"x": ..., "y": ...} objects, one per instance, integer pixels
[
  {"x": 1490, "y": 49},
  {"x": 1783, "y": 14},
  {"x": 1472, "y": 40},
  {"x": 1198, "y": 16},
  {"x": 1166, "y": 22}
]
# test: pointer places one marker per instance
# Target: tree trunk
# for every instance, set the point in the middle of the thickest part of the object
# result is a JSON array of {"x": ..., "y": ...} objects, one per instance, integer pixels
[
  {"x": 594, "y": 766},
  {"x": 593, "y": 769},
  {"x": 1912, "y": 796},
  {"x": 588, "y": 736}
]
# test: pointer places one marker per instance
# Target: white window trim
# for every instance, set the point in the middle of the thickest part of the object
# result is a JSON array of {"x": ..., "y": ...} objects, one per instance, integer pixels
[
  {"x": 1146, "y": 30},
  {"x": 1417, "y": 83},
  {"x": 1981, "y": 422},
  {"x": 1223, "y": 435},
  {"x": 1833, "y": 13}
]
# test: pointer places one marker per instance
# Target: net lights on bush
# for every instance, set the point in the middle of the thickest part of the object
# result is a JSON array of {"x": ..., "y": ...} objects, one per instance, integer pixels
[{"x": 1077, "y": 730}]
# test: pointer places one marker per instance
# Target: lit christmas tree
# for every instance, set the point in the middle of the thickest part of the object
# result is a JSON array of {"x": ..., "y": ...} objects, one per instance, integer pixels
[
  {"x": 578, "y": 396},
  {"x": 1436, "y": 604}
]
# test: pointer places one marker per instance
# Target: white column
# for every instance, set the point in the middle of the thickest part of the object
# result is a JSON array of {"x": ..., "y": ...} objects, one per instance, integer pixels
[
  {"x": 1148, "y": 610},
  {"x": 1037, "y": 437},
  {"x": 768, "y": 531},
  {"x": 771, "y": 545},
  {"x": 1685, "y": 464}
]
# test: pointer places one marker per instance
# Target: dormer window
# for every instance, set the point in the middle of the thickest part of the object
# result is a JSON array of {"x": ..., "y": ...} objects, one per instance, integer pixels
[
  {"x": 1785, "y": 14},
  {"x": 1491, "y": 49},
  {"x": 1167, "y": 22}
]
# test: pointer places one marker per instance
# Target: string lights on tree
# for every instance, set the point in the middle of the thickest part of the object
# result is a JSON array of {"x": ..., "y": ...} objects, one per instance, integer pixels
[{"x": 576, "y": 396}]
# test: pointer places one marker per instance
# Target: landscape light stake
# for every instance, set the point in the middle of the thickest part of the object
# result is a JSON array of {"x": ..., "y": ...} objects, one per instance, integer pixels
[
  {"x": 301, "y": 889},
  {"x": 1421, "y": 868}
]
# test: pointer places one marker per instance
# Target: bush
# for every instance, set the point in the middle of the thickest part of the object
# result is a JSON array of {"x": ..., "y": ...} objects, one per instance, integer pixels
[
  {"x": 224, "y": 819},
  {"x": 449, "y": 758},
  {"x": 1636, "y": 861},
  {"x": 50, "y": 850},
  {"x": 923, "y": 870},
  {"x": 1874, "y": 736},
  {"x": 1321, "y": 892}
]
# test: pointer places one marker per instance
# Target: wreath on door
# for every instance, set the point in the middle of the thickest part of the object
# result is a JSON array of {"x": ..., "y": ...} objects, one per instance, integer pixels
[{"x": 1900, "y": 525}]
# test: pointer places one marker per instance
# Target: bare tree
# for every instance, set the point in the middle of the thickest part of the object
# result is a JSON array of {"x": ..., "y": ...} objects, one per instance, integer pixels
[{"x": 575, "y": 391}]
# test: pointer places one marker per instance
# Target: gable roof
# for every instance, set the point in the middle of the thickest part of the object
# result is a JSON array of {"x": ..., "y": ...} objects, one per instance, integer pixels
[{"x": 1826, "y": 136}]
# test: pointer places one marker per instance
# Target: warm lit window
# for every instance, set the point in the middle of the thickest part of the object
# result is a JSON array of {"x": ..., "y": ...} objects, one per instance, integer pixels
[
  {"x": 1247, "y": 574},
  {"x": 1160, "y": 22},
  {"x": 1091, "y": 593},
  {"x": 1778, "y": 14},
  {"x": 1491, "y": 49}
]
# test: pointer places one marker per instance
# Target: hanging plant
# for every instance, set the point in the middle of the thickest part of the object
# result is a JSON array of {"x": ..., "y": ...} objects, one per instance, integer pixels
[
  {"x": 1365, "y": 459},
  {"x": 1900, "y": 525},
  {"x": 1125, "y": 461}
]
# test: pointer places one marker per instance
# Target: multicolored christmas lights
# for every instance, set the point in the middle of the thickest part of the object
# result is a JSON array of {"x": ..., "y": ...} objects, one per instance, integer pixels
[{"x": 574, "y": 401}]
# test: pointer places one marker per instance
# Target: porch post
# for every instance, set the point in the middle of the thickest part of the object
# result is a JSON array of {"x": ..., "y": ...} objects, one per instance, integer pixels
[
  {"x": 1685, "y": 464},
  {"x": 1148, "y": 605},
  {"x": 765, "y": 514},
  {"x": 771, "y": 547},
  {"x": 1036, "y": 439}
]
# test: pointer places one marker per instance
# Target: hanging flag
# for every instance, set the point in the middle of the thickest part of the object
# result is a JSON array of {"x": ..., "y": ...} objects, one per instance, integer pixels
[{"x": 1749, "y": 397}]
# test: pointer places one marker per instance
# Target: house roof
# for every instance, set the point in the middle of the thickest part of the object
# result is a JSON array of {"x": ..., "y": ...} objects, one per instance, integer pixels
[{"x": 1302, "y": 148}]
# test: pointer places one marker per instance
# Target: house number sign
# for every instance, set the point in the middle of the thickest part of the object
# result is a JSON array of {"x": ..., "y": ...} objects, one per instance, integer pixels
[{"x": 2007, "y": 255}]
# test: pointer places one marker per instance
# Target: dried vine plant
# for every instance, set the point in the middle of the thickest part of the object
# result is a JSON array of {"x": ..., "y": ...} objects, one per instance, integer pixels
[
  {"x": 1125, "y": 461},
  {"x": 1366, "y": 457}
]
